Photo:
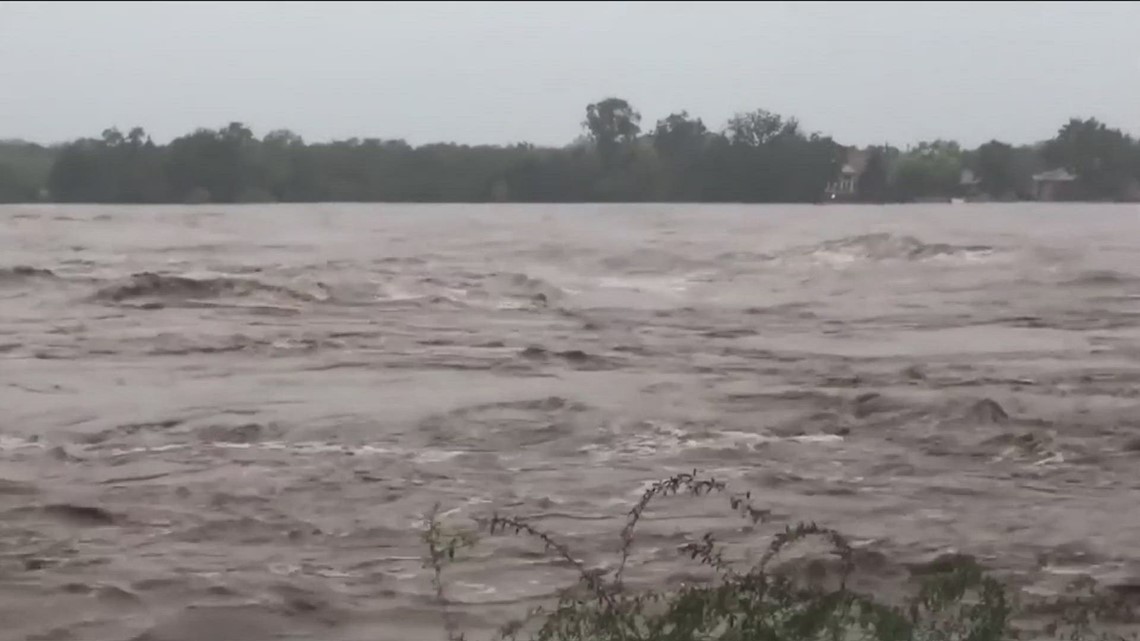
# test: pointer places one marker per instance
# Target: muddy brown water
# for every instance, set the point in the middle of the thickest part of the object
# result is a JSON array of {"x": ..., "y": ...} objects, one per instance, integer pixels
[{"x": 228, "y": 422}]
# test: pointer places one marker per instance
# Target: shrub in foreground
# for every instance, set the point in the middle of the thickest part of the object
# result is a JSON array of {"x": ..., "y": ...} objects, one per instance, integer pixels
[{"x": 960, "y": 602}]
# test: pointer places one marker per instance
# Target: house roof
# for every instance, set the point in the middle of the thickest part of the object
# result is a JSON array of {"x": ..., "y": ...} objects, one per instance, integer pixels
[
  {"x": 855, "y": 161},
  {"x": 1054, "y": 175}
]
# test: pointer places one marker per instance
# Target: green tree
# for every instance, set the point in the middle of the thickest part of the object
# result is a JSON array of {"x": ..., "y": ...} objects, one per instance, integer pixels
[
  {"x": 1103, "y": 159},
  {"x": 680, "y": 142},
  {"x": 678, "y": 134},
  {"x": 873, "y": 184},
  {"x": 81, "y": 174},
  {"x": 221, "y": 166},
  {"x": 24, "y": 170},
  {"x": 996, "y": 164},
  {"x": 757, "y": 157},
  {"x": 612, "y": 123},
  {"x": 930, "y": 170},
  {"x": 758, "y": 127},
  {"x": 13, "y": 188},
  {"x": 763, "y": 157}
]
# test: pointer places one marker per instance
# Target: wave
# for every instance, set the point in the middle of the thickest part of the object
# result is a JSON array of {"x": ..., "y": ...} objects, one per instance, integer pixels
[
  {"x": 522, "y": 286},
  {"x": 490, "y": 291},
  {"x": 1101, "y": 277},
  {"x": 649, "y": 261},
  {"x": 21, "y": 273},
  {"x": 149, "y": 285},
  {"x": 884, "y": 247},
  {"x": 661, "y": 285},
  {"x": 653, "y": 438}
]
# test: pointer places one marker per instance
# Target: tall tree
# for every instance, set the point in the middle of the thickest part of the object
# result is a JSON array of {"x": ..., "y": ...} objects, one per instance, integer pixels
[
  {"x": 758, "y": 157},
  {"x": 873, "y": 184},
  {"x": 24, "y": 169},
  {"x": 611, "y": 123},
  {"x": 1103, "y": 159},
  {"x": 758, "y": 127},
  {"x": 932, "y": 169},
  {"x": 679, "y": 134},
  {"x": 996, "y": 164},
  {"x": 680, "y": 142}
]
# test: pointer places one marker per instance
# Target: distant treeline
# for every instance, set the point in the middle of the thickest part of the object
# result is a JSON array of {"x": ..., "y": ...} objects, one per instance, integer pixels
[{"x": 756, "y": 157}]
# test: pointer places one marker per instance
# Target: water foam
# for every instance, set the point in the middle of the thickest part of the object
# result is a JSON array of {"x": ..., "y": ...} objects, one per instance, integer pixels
[
  {"x": 151, "y": 285},
  {"x": 883, "y": 247}
]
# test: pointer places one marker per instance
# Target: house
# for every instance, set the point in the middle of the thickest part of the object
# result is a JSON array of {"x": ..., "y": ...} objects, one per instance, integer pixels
[
  {"x": 846, "y": 186},
  {"x": 969, "y": 185},
  {"x": 1131, "y": 191},
  {"x": 1055, "y": 184}
]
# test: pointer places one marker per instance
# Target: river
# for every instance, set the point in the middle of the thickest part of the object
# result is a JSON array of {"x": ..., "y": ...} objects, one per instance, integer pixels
[{"x": 229, "y": 421}]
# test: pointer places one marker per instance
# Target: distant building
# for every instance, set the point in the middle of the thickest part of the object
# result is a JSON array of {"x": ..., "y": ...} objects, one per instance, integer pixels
[
  {"x": 1128, "y": 191},
  {"x": 846, "y": 186},
  {"x": 1131, "y": 191},
  {"x": 969, "y": 185},
  {"x": 1055, "y": 184}
]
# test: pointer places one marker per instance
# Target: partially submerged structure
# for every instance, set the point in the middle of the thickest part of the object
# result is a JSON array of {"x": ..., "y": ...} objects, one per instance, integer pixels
[{"x": 1055, "y": 184}]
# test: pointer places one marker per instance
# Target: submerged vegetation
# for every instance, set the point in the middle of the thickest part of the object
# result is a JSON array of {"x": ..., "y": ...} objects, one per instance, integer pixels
[
  {"x": 756, "y": 157},
  {"x": 953, "y": 600}
]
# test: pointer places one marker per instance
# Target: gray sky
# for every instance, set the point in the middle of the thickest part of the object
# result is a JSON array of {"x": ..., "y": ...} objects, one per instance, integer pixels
[{"x": 510, "y": 72}]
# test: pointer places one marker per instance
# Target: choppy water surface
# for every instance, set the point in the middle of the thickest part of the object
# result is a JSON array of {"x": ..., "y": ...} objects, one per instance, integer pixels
[{"x": 229, "y": 422}]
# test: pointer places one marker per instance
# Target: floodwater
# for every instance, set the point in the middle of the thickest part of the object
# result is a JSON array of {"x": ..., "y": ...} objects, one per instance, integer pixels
[{"x": 229, "y": 422}]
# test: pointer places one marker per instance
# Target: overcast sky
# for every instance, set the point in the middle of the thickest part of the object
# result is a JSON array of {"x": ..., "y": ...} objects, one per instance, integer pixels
[{"x": 511, "y": 72}]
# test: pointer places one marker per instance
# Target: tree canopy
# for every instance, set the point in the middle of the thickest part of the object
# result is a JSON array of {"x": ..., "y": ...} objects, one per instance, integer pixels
[{"x": 755, "y": 157}]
